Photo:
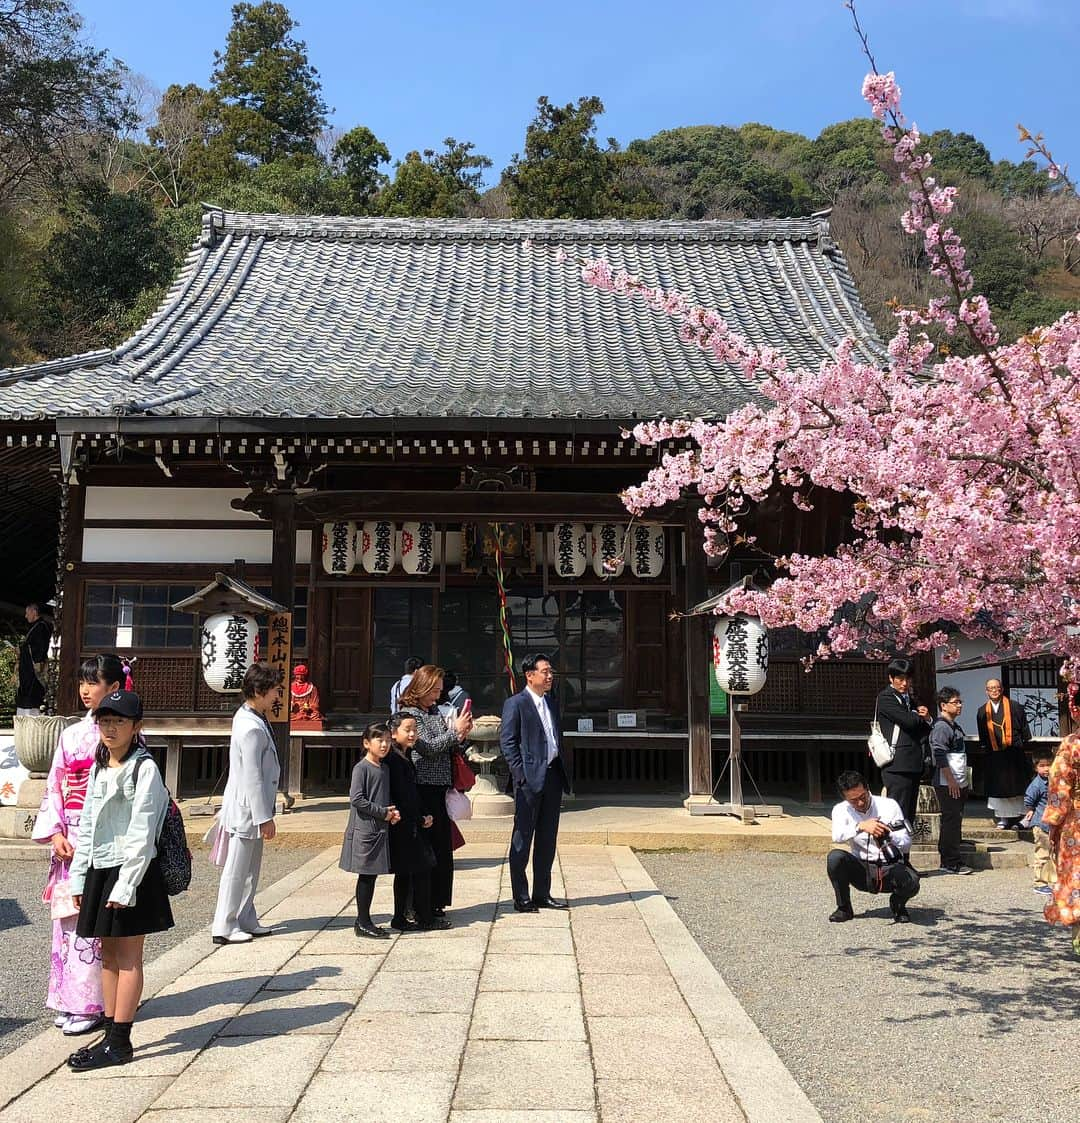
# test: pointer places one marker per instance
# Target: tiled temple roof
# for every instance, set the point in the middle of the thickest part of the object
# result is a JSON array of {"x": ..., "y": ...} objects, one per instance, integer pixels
[{"x": 309, "y": 317}]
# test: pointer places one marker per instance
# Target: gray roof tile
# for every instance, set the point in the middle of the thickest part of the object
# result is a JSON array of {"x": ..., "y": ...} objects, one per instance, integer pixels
[{"x": 280, "y": 315}]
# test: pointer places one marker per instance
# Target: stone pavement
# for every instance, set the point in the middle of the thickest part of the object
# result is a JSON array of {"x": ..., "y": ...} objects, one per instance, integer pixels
[{"x": 609, "y": 1013}]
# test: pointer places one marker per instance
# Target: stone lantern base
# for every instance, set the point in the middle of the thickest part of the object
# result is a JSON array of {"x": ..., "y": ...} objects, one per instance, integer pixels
[{"x": 489, "y": 798}]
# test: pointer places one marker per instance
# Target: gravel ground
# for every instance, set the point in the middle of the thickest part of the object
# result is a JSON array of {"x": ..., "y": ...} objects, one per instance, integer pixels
[
  {"x": 25, "y": 933},
  {"x": 966, "y": 1014}
]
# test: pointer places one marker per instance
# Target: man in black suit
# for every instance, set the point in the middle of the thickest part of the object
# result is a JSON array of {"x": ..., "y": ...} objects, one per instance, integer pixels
[
  {"x": 904, "y": 726},
  {"x": 541, "y": 770}
]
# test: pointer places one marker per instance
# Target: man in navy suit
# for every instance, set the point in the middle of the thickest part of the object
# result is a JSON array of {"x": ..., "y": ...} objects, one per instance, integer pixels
[{"x": 541, "y": 769}]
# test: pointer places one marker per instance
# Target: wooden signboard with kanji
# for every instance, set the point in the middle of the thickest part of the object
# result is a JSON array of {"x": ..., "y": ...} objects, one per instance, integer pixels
[{"x": 279, "y": 654}]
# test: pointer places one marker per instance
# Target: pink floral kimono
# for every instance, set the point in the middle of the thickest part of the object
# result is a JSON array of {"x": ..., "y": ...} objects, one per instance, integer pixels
[{"x": 75, "y": 968}]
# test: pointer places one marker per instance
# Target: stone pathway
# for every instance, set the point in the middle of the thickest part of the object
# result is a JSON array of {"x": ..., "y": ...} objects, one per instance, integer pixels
[{"x": 608, "y": 1013}]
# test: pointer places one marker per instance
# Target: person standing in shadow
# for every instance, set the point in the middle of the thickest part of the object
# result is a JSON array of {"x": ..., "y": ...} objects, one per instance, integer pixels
[{"x": 541, "y": 769}]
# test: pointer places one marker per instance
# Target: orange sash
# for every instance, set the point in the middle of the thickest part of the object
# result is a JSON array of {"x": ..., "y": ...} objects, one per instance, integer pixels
[{"x": 1006, "y": 725}]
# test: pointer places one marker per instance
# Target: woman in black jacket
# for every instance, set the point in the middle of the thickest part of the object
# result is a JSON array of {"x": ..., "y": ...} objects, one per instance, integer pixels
[{"x": 910, "y": 726}]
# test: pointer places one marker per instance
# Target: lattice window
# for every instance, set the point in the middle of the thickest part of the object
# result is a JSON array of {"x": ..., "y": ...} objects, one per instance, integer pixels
[{"x": 164, "y": 682}]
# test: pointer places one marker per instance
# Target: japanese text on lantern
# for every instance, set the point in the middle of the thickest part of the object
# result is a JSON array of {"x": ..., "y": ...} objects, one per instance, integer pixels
[
  {"x": 425, "y": 544},
  {"x": 738, "y": 656},
  {"x": 339, "y": 547},
  {"x": 236, "y": 652},
  {"x": 565, "y": 546},
  {"x": 279, "y": 654},
  {"x": 384, "y": 545}
]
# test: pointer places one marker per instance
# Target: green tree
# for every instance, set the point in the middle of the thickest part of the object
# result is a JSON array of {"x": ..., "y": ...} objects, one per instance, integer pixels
[
  {"x": 358, "y": 155},
  {"x": 110, "y": 252},
  {"x": 1023, "y": 179},
  {"x": 959, "y": 154},
  {"x": 54, "y": 89},
  {"x": 437, "y": 184},
  {"x": 564, "y": 173},
  {"x": 270, "y": 97}
]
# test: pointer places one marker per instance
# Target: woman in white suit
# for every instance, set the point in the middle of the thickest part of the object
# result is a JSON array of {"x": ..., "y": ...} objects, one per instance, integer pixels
[{"x": 247, "y": 808}]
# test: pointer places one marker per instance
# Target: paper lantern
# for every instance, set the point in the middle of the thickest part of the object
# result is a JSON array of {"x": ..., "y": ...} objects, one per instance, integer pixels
[
  {"x": 378, "y": 551},
  {"x": 230, "y": 644},
  {"x": 569, "y": 549},
  {"x": 740, "y": 654},
  {"x": 339, "y": 548},
  {"x": 607, "y": 549},
  {"x": 647, "y": 549},
  {"x": 416, "y": 547}
]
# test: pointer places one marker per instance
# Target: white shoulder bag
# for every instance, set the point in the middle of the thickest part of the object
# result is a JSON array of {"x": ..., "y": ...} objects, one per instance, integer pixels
[{"x": 882, "y": 751}]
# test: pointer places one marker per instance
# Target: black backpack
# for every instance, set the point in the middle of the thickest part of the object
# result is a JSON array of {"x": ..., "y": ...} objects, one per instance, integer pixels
[{"x": 173, "y": 852}]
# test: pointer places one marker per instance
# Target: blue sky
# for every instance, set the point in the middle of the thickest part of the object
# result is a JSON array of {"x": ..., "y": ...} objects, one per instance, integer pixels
[{"x": 417, "y": 72}]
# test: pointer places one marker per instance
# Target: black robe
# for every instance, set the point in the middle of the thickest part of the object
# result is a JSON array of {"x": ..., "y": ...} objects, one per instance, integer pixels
[
  {"x": 1006, "y": 770},
  {"x": 410, "y": 846}
]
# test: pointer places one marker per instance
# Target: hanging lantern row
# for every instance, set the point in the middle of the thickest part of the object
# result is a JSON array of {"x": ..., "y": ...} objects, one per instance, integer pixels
[
  {"x": 740, "y": 654},
  {"x": 378, "y": 546},
  {"x": 608, "y": 546},
  {"x": 229, "y": 645}
]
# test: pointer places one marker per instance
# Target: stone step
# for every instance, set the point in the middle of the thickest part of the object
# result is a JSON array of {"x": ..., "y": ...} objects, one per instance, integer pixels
[
  {"x": 12, "y": 850},
  {"x": 978, "y": 855}
]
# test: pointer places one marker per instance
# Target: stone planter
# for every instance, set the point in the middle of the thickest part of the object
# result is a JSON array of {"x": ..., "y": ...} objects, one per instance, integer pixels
[
  {"x": 35, "y": 740},
  {"x": 489, "y": 793}
]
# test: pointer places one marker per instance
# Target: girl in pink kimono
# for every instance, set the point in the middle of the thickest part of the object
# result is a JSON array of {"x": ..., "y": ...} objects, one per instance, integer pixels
[{"x": 75, "y": 963}]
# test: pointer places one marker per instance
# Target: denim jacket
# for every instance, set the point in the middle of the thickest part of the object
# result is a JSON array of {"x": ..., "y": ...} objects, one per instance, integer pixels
[
  {"x": 120, "y": 825},
  {"x": 1035, "y": 799}
]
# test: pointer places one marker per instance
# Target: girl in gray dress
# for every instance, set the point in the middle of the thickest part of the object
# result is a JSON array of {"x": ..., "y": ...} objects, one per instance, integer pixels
[{"x": 366, "y": 849}]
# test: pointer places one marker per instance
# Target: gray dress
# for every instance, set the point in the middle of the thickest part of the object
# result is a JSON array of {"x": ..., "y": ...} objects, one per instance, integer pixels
[{"x": 366, "y": 848}]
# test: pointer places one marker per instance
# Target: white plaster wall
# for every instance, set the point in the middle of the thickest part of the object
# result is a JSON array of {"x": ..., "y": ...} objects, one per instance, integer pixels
[
  {"x": 172, "y": 545},
  {"x": 165, "y": 503},
  {"x": 971, "y": 684}
]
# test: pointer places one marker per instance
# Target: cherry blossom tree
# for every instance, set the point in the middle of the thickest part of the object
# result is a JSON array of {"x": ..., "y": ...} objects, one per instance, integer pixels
[{"x": 963, "y": 468}]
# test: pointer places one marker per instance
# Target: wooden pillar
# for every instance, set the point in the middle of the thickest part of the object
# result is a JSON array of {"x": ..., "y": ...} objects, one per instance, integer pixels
[
  {"x": 71, "y": 621},
  {"x": 283, "y": 590},
  {"x": 696, "y": 632}
]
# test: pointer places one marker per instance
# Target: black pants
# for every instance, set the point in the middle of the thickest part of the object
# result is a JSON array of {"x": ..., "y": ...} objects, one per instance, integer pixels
[
  {"x": 433, "y": 801},
  {"x": 952, "y": 822},
  {"x": 847, "y": 872},
  {"x": 536, "y": 827},
  {"x": 419, "y": 886},
  {"x": 904, "y": 788}
]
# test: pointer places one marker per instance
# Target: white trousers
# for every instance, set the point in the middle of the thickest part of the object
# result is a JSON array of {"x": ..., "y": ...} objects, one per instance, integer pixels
[{"x": 236, "y": 893}]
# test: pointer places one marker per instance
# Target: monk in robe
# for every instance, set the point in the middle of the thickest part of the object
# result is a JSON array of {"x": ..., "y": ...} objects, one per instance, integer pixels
[{"x": 1003, "y": 734}]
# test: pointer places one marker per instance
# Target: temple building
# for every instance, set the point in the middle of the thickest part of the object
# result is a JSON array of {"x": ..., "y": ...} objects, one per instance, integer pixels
[{"x": 396, "y": 429}]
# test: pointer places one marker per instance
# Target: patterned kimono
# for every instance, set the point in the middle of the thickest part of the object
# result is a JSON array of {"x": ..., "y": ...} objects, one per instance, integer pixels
[
  {"x": 1063, "y": 806},
  {"x": 75, "y": 965}
]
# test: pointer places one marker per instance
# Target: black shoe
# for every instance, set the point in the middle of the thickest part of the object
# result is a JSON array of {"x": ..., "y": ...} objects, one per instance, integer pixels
[
  {"x": 549, "y": 903},
  {"x": 436, "y": 924},
  {"x": 841, "y": 915},
  {"x": 404, "y": 925},
  {"x": 371, "y": 931},
  {"x": 525, "y": 905},
  {"x": 439, "y": 912},
  {"x": 900, "y": 916},
  {"x": 105, "y": 1055}
]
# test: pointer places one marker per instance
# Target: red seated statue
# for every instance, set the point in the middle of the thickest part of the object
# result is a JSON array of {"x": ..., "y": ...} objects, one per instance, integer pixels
[{"x": 304, "y": 712}]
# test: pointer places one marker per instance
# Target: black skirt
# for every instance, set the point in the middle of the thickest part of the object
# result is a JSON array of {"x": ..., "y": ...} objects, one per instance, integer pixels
[{"x": 150, "y": 911}]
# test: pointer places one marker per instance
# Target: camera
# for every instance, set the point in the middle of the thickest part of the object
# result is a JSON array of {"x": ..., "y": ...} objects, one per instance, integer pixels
[{"x": 890, "y": 852}]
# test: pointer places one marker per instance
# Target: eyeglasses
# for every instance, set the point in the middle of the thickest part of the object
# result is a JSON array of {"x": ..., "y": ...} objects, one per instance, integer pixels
[{"x": 109, "y": 720}]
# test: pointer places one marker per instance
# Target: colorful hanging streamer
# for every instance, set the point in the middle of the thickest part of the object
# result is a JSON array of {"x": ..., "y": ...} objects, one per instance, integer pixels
[{"x": 500, "y": 581}]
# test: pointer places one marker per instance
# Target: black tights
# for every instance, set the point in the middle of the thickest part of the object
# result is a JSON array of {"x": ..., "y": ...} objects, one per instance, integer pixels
[
  {"x": 418, "y": 885},
  {"x": 365, "y": 891}
]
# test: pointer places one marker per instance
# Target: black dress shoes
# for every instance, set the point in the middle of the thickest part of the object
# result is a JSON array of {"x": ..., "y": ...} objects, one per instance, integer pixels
[
  {"x": 549, "y": 903},
  {"x": 370, "y": 931},
  {"x": 841, "y": 915},
  {"x": 525, "y": 905},
  {"x": 105, "y": 1055}
]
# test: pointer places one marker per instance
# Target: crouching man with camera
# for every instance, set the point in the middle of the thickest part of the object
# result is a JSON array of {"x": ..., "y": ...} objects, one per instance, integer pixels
[{"x": 877, "y": 838}]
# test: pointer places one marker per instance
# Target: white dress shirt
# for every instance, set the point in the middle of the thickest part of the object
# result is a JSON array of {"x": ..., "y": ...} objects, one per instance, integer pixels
[
  {"x": 543, "y": 711},
  {"x": 846, "y": 820}
]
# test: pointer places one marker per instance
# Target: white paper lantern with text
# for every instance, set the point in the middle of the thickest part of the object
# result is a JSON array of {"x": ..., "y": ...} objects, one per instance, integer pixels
[
  {"x": 569, "y": 549},
  {"x": 416, "y": 547},
  {"x": 740, "y": 654},
  {"x": 607, "y": 549},
  {"x": 378, "y": 551},
  {"x": 230, "y": 644},
  {"x": 647, "y": 549},
  {"x": 339, "y": 548}
]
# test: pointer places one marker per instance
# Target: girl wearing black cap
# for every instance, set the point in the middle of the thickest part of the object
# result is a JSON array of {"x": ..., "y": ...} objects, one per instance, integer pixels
[{"x": 115, "y": 878}]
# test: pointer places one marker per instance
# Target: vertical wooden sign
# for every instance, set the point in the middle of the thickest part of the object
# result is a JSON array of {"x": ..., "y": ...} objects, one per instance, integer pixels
[{"x": 279, "y": 654}]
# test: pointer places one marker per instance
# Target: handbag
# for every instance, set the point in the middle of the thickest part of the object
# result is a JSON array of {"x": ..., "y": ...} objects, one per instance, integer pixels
[
  {"x": 218, "y": 838},
  {"x": 458, "y": 806},
  {"x": 457, "y": 839},
  {"x": 463, "y": 778},
  {"x": 61, "y": 906},
  {"x": 882, "y": 750}
]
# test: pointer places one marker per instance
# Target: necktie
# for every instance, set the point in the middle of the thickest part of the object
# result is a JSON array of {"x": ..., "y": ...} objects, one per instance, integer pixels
[{"x": 549, "y": 730}]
